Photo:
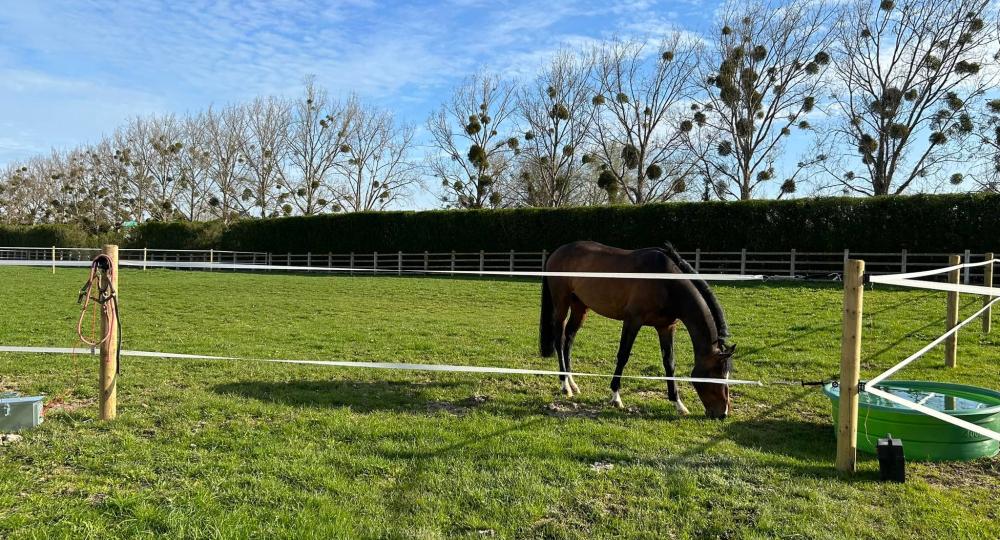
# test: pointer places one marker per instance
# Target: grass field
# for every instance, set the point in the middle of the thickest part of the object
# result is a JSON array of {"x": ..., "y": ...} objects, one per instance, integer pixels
[{"x": 239, "y": 449}]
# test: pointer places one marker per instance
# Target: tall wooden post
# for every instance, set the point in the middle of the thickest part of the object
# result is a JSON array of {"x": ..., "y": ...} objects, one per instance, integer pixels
[
  {"x": 951, "y": 344},
  {"x": 53, "y": 259},
  {"x": 850, "y": 365},
  {"x": 108, "y": 383},
  {"x": 967, "y": 271},
  {"x": 988, "y": 282},
  {"x": 145, "y": 254}
]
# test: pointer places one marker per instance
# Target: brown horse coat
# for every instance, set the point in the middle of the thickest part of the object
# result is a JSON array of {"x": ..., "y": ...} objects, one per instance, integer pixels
[{"x": 637, "y": 303}]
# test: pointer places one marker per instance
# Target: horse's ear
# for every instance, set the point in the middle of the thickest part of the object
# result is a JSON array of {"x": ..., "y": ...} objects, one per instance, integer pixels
[{"x": 728, "y": 350}]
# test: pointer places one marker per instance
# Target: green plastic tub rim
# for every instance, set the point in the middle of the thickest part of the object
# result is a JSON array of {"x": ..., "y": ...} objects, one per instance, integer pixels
[
  {"x": 926, "y": 438},
  {"x": 828, "y": 389}
]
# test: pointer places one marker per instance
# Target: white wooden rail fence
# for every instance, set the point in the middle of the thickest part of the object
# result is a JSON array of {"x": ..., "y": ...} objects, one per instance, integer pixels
[{"x": 818, "y": 265}]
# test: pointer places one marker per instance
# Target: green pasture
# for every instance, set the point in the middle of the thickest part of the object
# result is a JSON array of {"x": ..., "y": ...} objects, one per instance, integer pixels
[{"x": 236, "y": 449}]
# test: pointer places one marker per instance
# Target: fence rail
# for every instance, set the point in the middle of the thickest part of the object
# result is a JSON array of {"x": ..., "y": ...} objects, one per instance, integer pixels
[{"x": 792, "y": 264}]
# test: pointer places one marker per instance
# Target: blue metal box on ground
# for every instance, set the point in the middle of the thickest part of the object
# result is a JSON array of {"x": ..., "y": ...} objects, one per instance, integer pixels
[{"x": 17, "y": 413}]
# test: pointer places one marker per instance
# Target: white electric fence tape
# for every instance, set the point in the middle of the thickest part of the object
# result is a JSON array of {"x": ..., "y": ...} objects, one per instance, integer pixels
[
  {"x": 394, "y": 271},
  {"x": 885, "y": 374},
  {"x": 924, "y": 273},
  {"x": 377, "y": 365},
  {"x": 933, "y": 412},
  {"x": 908, "y": 280},
  {"x": 937, "y": 286}
]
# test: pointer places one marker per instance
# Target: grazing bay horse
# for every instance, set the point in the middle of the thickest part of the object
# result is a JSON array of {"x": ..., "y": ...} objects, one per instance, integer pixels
[{"x": 637, "y": 302}]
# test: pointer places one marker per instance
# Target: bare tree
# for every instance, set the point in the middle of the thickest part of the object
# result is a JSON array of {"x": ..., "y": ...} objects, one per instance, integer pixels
[
  {"x": 639, "y": 92},
  {"x": 471, "y": 142},
  {"x": 264, "y": 150},
  {"x": 556, "y": 111},
  {"x": 28, "y": 191},
  {"x": 319, "y": 130},
  {"x": 155, "y": 144},
  {"x": 223, "y": 139},
  {"x": 907, "y": 74},
  {"x": 378, "y": 170},
  {"x": 984, "y": 167},
  {"x": 195, "y": 167},
  {"x": 109, "y": 167},
  {"x": 759, "y": 79},
  {"x": 133, "y": 140}
]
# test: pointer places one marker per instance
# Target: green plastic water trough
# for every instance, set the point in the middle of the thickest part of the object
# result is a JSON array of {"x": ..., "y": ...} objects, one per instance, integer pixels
[{"x": 926, "y": 438}]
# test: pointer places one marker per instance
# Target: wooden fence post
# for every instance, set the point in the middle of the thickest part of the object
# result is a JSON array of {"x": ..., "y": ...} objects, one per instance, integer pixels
[
  {"x": 967, "y": 271},
  {"x": 145, "y": 256},
  {"x": 902, "y": 262},
  {"x": 351, "y": 263},
  {"x": 309, "y": 258},
  {"x": 987, "y": 282},
  {"x": 697, "y": 260},
  {"x": 481, "y": 261},
  {"x": 453, "y": 262},
  {"x": 792, "y": 264},
  {"x": 511, "y": 265},
  {"x": 426, "y": 261},
  {"x": 374, "y": 263},
  {"x": 288, "y": 259},
  {"x": 108, "y": 382},
  {"x": 544, "y": 256},
  {"x": 329, "y": 259},
  {"x": 53, "y": 259},
  {"x": 951, "y": 344},
  {"x": 850, "y": 365},
  {"x": 399, "y": 263},
  {"x": 743, "y": 261}
]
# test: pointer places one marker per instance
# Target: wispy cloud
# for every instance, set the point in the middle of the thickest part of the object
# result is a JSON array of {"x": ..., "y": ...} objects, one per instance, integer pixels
[{"x": 71, "y": 70}]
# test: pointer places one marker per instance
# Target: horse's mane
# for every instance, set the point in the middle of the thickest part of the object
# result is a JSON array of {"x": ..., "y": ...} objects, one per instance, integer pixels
[{"x": 706, "y": 292}]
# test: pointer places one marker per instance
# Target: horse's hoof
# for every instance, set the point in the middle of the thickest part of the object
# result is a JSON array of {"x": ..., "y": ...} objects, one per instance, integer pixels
[
  {"x": 567, "y": 391},
  {"x": 616, "y": 401},
  {"x": 576, "y": 389},
  {"x": 681, "y": 409}
]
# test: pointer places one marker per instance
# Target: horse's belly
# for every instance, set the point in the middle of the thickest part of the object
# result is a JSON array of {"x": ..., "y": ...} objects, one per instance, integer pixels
[{"x": 604, "y": 303}]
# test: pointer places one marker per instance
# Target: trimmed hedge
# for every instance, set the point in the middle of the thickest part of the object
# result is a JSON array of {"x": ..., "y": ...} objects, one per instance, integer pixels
[
  {"x": 922, "y": 223},
  {"x": 47, "y": 235},
  {"x": 177, "y": 235}
]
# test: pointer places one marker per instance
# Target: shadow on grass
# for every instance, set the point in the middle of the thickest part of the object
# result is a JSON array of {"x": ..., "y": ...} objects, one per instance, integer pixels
[
  {"x": 798, "y": 439},
  {"x": 362, "y": 396},
  {"x": 416, "y": 398}
]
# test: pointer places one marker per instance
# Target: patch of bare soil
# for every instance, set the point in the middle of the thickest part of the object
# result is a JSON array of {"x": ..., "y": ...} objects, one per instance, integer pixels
[
  {"x": 960, "y": 474},
  {"x": 458, "y": 407},
  {"x": 66, "y": 404}
]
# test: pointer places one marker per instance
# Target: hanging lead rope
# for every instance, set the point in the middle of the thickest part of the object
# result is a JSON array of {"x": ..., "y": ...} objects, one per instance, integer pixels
[{"x": 101, "y": 272}]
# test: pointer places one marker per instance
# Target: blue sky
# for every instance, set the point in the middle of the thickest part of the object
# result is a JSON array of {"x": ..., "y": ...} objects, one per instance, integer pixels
[{"x": 71, "y": 71}]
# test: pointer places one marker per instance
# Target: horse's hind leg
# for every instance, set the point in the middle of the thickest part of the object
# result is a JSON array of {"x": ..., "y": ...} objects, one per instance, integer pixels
[
  {"x": 667, "y": 350},
  {"x": 630, "y": 329},
  {"x": 578, "y": 311},
  {"x": 560, "y": 310}
]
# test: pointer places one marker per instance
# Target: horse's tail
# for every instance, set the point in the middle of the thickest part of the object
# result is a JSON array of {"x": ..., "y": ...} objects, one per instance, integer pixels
[{"x": 546, "y": 341}]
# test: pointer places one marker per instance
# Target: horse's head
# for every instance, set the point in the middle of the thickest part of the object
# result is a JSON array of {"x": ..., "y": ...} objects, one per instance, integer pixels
[{"x": 715, "y": 365}]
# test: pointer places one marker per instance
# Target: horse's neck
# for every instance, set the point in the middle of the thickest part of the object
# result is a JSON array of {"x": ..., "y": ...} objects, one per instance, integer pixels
[{"x": 700, "y": 326}]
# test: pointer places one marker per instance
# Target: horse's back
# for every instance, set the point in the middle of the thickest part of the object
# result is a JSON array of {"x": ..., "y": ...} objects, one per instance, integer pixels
[
  {"x": 589, "y": 256},
  {"x": 610, "y": 297}
]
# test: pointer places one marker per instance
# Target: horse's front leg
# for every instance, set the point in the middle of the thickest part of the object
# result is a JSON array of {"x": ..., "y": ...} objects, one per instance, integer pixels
[
  {"x": 667, "y": 350},
  {"x": 630, "y": 329}
]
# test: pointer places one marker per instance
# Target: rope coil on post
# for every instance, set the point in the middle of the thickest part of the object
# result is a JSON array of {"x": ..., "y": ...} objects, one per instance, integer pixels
[{"x": 102, "y": 272}]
